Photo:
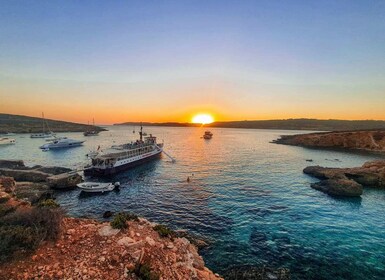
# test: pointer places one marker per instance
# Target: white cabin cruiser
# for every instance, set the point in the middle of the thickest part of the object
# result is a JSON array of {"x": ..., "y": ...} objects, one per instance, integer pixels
[
  {"x": 62, "y": 143},
  {"x": 7, "y": 141},
  {"x": 123, "y": 157},
  {"x": 97, "y": 187}
]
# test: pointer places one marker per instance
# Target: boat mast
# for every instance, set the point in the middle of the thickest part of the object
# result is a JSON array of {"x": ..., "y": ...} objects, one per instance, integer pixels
[
  {"x": 141, "y": 132},
  {"x": 42, "y": 116}
]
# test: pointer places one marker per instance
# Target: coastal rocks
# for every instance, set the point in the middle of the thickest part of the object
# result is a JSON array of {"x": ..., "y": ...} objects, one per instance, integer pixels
[
  {"x": 81, "y": 252},
  {"x": 339, "y": 187},
  {"x": 348, "y": 181},
  {"x": 12, "y": 164},
  {"x": 7, "y": 184},
  {"x": 64, "y": 180},
  {"x": 360, "y": 140},
  {"x": 25, "y": 175},
  {"x": 108, "y": 231},
  {"x": 53, "y": 176},
  {"x": 32, "y": 192},
  {"x": 107, "y": 214}
]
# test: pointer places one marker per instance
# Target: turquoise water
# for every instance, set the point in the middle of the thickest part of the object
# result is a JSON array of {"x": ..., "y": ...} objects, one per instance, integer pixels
[{"x": 248, "y": 196}]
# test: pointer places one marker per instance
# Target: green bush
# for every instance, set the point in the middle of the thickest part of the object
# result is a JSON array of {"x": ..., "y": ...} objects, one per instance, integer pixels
[
  {"x": 143, "y": 271},
  {"x": 120, "y": 220},
  {"x": 49, "y": 203},
  {"x": 164, "y": 231}
]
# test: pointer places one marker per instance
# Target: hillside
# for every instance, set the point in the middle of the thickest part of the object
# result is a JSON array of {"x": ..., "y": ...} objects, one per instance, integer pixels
[
  {"x": 290, "y": 124},
  {"x": 24, "y": 124},
  {"x": 371, "y": 140}
]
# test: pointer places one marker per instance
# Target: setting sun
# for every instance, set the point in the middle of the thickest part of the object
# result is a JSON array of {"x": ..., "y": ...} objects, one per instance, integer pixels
[{"x": 203, "y": 119}]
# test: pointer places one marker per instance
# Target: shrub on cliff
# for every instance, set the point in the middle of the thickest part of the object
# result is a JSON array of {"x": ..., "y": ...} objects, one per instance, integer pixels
[
  {"x": 49, "y": 203},
  {"x": 120, "y": 220},
  {"x": 24, "y": 229},
  {"x": 164, "y": 231},
  {"x": 144, "y": 272}
]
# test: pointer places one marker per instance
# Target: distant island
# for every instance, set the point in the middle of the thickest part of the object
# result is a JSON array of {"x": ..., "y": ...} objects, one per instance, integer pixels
[
  {"x": 287, "y": 124},
  {"x": 25, "y": 124}
]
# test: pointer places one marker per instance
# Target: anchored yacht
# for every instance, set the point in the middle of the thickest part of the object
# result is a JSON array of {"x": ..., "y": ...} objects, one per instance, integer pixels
[
  {"x": 7, "y": 141},
  {"x": 62, "y": 143},
  {"x": 122, "y": 157}
]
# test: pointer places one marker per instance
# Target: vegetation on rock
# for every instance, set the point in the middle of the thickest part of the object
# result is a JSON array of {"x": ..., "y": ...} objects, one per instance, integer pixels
[
  {"x": 120, "y": 219},
  {"x": 163, "y": 231}
]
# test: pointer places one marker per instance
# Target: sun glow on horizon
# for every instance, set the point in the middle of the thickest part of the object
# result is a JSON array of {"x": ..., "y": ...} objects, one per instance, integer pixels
[{"x": 203, "y": 119}]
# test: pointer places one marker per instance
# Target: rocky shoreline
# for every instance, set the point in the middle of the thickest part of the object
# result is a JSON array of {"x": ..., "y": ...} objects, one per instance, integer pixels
[
  {"x": 348, "y": 182},
  {"x": 371, "y": 140},
  {"x": 89, "y": 249}
]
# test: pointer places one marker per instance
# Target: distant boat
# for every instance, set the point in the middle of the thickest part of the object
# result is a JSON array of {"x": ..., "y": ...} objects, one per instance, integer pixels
[
  {"x": 91, "y": 131},
  {"x": 97, "y": 187},
  {"x": 43, "y": 134},
  {"x": 62, "y": 143},
  {"x": 207, "y": 135},
  {"x": 7, "y": 141}
]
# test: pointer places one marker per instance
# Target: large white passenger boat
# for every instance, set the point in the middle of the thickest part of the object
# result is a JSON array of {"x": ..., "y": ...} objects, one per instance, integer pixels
[{"x": 123, "y": 157}]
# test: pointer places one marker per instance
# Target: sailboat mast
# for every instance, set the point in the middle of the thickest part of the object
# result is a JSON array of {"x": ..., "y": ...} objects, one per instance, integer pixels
[{"x": 141, "y": 132}]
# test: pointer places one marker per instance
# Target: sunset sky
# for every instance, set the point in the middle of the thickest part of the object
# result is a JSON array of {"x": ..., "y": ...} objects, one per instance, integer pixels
[{"x": 169, "y": 60}]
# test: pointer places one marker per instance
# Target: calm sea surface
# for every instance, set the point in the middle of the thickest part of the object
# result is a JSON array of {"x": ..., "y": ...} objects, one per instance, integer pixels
[{"x": 247, "y": 196}]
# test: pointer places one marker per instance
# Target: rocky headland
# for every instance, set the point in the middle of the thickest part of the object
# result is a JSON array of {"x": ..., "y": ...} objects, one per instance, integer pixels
[
  {"x": 38, "y": 241},
  {"x": 369, "y": 140},
  {"x": 348, "y": 182},
  {"x": 25, "y": 124}
]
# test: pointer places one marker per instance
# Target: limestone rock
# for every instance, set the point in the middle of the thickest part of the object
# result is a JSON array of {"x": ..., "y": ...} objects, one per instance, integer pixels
[
  {"x": 339, "y": 187},
  {"x": 7, "y": 184},
  {"x": 108, "y": 231},
  {"x": 125, "y": 241},
  {"x": 64, "y": 180}
]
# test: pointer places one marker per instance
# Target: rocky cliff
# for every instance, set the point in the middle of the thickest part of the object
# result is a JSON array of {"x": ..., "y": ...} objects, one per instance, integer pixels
[
  {"x": 359, "y": 140},
  {"x": 88, "y": 249}
]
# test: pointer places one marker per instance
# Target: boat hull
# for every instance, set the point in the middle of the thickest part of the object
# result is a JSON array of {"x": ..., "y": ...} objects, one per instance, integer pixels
[{"x": 92, "y": 171}]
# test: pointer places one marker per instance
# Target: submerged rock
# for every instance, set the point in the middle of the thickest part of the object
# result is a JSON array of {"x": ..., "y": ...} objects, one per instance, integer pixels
[
  {"x": 339, "y": 187},
  {"x": 257, "y": 273}
]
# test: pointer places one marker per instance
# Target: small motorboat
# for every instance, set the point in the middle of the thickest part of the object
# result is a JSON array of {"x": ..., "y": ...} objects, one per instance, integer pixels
[
  {"x": 62, "y": 143},
  {"x": 7, "y": 141},
  {"x": 97, "y": 187},
  {"x": 207, "y": 135}
]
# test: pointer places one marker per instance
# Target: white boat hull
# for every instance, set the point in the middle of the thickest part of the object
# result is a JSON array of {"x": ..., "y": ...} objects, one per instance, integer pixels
[{"x": 96, "y": 187}]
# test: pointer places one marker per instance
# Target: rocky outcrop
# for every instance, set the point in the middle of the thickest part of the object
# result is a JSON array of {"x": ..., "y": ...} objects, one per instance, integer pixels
[
  {"x": 358, "y": 140},
  {"x": 85, "y": 251},
  {"x": 339, "y": 187},
  {"x": 53, "y": 176},
  {"x": 64, "y": 180},
  {"x": 348, "y": 181}
]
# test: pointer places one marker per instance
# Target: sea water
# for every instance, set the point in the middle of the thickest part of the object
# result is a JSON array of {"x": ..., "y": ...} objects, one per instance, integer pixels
[{"x": 247, "y": 196}]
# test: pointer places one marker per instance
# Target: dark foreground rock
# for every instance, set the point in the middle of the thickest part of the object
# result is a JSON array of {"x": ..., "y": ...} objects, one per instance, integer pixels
[{"x": 348, "y": 181}]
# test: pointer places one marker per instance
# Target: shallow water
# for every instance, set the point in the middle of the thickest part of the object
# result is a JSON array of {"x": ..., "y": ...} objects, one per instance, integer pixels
[{"x": 248, "y": 196}]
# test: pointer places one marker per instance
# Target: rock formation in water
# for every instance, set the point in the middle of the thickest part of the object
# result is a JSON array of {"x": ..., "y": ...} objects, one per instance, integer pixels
[
  {"x": 360, "y": 140},
  {"x": 348, "y": 181}
]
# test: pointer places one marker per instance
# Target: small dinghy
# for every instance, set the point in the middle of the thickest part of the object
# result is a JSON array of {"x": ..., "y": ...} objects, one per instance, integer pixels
[{"x": 97, "y": 187}]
